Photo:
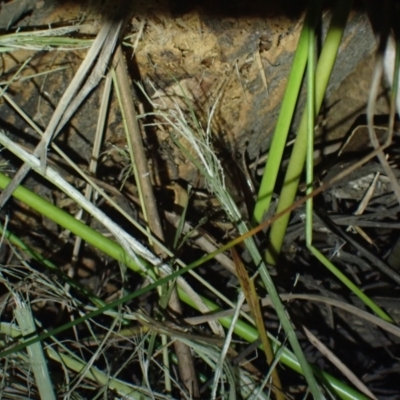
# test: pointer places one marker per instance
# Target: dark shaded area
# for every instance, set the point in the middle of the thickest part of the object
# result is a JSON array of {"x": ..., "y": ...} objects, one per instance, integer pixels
[
  {"x": 15, "y": 10},
  {"x": 231, "y": 8}
]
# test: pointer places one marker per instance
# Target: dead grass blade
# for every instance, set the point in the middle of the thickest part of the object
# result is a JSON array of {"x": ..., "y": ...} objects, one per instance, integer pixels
[
  {"x": 67, "y": 99},
  {"x": 388, "y": 327},
  {"x": 250, "y": 293},
  {"x": 338, "y": 364}
]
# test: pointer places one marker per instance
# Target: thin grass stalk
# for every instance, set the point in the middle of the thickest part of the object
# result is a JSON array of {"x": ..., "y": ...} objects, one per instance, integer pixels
[
  {"x": 37, "y": 360},
  {"x": 166, "y": 365},
  {"x": 310, "y": 111},
  {"x": 133, "y": 166},
  {"x": 272, "y": 367},
  {"x": 68, "y": 222},
  {"x": 251, "y": 295},
  {"x": 89, "y": 190},
  {"x": 17, "y": 78},
  {"x": 297, "y": 160},
  {"x": 226, "y": 346}
]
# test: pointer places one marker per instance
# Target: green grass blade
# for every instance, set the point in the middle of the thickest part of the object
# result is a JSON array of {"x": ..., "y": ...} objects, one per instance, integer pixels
[
  {"x": 78, "y": 228},
  {"x": 297, "y": 160},
  {"x": 285, "y": 117}
]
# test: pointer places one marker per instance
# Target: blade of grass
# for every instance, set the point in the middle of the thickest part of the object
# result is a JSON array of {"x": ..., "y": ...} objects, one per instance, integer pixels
[
  {"x": 332, "y": 357},
  {"x": 37, "y": 360},
  {"x": 272, "y": 368},
  {"x": 17, "y": 78},
  {"x": 139, "y": 164},
  {"x": 224, "y": 351},
  {"x": 285, "y": 117},
  {"x": 297, "y": 160},
  {"x": 44, "y": 40},
  {"x": 98, "y": 140},
  {"x": 181, "y": 223}
]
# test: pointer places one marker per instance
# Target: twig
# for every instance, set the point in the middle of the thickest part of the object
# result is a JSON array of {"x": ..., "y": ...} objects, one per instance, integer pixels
[{"x": 134, "y": 137}]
